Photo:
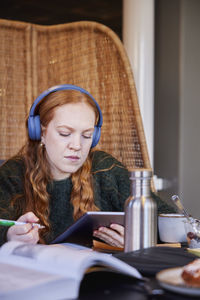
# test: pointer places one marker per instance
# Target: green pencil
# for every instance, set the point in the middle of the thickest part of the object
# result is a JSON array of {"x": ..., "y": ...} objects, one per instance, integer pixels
[{"x": 4, "y": 222}]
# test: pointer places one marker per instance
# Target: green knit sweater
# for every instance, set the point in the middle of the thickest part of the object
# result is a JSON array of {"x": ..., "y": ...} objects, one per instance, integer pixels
[{"x": 111, "y": 189}]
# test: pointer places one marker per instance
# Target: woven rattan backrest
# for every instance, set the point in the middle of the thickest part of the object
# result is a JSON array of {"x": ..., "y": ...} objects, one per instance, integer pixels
[{"x": 34, "y": 58}]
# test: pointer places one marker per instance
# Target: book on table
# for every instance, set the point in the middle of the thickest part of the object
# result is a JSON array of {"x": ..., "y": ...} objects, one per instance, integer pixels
[{"x": 51, "y": 271}]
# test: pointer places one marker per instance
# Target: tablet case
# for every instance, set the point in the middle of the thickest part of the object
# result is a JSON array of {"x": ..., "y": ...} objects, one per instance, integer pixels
[{"x": 81, "y": 232}]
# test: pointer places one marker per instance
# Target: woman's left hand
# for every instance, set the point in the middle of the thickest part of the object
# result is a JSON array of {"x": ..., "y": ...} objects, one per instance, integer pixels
[{"x": 113, "y": 235}]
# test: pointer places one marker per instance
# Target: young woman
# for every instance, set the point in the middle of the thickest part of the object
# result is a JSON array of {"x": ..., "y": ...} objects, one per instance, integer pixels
[{"x": 57, "y": 176}]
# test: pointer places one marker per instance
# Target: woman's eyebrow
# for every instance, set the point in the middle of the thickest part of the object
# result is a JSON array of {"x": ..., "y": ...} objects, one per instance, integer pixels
[
  {"x": 89, "y": 129},
  {"x": 71, "y": 128},
  {"x": 65, "y": 126}
]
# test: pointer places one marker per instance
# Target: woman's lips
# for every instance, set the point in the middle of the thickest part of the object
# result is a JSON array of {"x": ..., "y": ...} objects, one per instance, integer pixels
[{"x": 73, "y": 158}]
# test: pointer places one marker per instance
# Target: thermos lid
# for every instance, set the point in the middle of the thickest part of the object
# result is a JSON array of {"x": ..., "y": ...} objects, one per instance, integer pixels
[{"x": 141, "y": 173}]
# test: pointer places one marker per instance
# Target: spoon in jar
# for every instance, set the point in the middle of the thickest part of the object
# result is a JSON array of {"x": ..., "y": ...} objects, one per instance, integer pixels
[{"x": 180, "y": 206}]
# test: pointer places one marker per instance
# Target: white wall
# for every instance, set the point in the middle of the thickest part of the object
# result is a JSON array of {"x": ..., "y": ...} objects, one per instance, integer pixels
[
  {"x": 189, "y": 171},
  {"x": 138, "y": 39},
  {"x": 177, "y": 100}
]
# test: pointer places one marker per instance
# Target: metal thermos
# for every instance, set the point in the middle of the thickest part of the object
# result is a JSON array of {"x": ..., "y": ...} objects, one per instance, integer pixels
[{"x": 140, "y": 212}]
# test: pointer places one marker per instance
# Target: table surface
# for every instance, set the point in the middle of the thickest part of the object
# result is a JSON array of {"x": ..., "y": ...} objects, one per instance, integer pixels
[{"x": 110, "y": 285}]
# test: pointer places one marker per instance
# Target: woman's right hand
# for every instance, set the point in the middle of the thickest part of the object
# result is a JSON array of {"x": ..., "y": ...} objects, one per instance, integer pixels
[{"x": 24, "y": 233}]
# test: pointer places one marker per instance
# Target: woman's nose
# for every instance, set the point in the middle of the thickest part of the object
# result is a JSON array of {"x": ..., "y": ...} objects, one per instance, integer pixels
[{"x": 75, "y": 143}]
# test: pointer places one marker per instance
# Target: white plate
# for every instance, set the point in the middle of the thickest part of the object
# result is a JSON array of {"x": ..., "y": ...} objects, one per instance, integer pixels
[{"x": 171, "y": 280}]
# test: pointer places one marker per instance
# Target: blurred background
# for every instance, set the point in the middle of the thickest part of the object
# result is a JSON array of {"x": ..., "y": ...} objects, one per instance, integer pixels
[{"x": 162, "y": 40}]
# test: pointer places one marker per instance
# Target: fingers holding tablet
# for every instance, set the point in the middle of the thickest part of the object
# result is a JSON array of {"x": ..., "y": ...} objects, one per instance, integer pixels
[{"x": 113, "y": 235}]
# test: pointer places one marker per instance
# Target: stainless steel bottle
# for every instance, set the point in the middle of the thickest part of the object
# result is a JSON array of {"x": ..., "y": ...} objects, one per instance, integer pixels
[{"x": 140, "y": 212}]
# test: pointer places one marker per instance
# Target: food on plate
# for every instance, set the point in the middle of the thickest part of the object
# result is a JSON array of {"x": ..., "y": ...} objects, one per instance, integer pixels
[{"x": 191, "y": 273}]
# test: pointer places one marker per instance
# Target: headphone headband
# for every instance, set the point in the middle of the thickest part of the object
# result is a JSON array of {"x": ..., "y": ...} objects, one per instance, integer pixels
[{"x": 34, "y": 126}]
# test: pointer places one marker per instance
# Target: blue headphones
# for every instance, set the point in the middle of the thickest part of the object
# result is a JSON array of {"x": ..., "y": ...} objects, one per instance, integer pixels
[{"x": 34, "y": 127}]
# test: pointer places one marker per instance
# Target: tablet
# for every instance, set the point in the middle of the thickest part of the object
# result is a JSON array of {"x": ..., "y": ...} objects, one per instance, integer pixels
[{"x": 81, "y": 232}]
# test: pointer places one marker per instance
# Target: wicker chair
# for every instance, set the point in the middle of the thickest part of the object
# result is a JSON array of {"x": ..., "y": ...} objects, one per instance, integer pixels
[{"x": 88, "y": 54}]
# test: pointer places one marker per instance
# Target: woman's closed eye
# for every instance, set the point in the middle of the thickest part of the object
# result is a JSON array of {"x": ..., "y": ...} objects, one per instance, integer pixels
[
  {"x": 64, "y": 134},
  {"x": 68, "y": 134},
  {"x": 86, "y": 136}
]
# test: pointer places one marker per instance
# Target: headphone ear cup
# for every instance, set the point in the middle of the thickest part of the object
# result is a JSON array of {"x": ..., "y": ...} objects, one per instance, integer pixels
[
  {"x": 34, "y": 128},
  {"x": 96, "y": 136},
  {"x": 34, "y": 125}
]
